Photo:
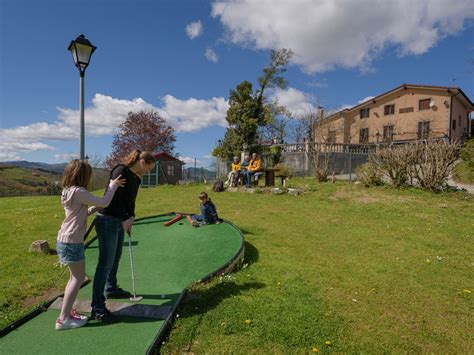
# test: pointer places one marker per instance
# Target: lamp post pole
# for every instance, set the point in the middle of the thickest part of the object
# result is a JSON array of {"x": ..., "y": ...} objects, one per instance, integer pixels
[
  {"x": 81, "y": 104},
  {"x": 81, "y": 50}
]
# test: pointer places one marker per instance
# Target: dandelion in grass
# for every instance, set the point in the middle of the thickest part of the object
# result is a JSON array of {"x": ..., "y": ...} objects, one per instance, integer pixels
[
  {"x": 314, "y": 349},
  {"x": 466, "y": 291},
  {"x": 248, "y": 321},
  {"x": 428, "y": 261},
  {"x": 328, "y": 343}
]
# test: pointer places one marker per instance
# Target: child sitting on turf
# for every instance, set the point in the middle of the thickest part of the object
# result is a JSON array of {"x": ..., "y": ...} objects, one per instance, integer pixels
[
  {"x": 70, "y": 242},
  {"x": 208, "y": 212}
]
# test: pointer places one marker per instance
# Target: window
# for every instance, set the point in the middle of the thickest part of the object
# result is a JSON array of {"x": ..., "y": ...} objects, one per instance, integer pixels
[
  {"x": 454, "y": 124},
  {"x": 406, "y": 109},
  {"x": 423, "y": 130},
  {"x": 389, "y": 110},
  {"x": 424, "y": 104},
  {"x": 364, "y": 136},
  {"x": 388, "y": 133},
  {"x": 170, "y": 170},
  {"x": 332, "y": 137},
  {"x": 364, "y": 113}
]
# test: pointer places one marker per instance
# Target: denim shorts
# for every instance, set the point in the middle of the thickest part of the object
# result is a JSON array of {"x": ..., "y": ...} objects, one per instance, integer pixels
[{"x": 70, "y": 253}]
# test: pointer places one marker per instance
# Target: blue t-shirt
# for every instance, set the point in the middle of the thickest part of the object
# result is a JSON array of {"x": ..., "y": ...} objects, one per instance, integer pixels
[{"x": 208, "y": 211}]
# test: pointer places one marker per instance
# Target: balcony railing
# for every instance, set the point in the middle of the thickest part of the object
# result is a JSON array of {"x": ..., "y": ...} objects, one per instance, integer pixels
[{"x": 327, "y": 148}]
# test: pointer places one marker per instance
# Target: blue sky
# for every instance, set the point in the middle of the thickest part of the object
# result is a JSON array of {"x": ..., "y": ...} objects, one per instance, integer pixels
[{"x": 182, "y": 57}]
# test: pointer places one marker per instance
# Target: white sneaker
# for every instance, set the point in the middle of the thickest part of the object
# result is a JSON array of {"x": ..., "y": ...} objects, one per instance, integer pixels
[
  {"x": 74, "y": 314},
  {"x": 70, "y": 323}
]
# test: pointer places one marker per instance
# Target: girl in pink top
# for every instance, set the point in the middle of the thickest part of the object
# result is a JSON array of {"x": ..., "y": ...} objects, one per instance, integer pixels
[{"x": 70, "y": 243}]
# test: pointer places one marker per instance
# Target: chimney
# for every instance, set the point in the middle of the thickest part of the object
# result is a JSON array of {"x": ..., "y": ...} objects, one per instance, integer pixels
[{"x": 320, "y": 113}]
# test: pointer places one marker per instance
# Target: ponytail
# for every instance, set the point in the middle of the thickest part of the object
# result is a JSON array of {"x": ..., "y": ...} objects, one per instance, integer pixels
[{"x": 136, "y": 155}]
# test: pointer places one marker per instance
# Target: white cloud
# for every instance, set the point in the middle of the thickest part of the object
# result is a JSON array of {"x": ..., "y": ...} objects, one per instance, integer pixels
[
  {"x": 326, "y": 34},
  {"x": 211, "y": 55},
  {"x": 104, "y": 116},
  {"x": 194, "y": 114},
  {"x": 295, "y": 101},
  {"x": 194, "y": 29},
  {"x": 66, "y": 156},
  {"x": 190, "y": 161},
  {"x": 365, "y": 99},
  {"x": 7, "y": 155},
  {"x": 12, "y": 149}
]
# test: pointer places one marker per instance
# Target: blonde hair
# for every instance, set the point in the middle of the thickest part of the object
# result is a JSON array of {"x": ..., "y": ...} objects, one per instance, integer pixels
[
  {"x": 136, "y": 155},
  {"x": 77, "y": 173}
]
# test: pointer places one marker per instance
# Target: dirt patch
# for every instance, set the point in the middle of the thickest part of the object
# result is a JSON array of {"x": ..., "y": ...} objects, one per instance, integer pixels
[
  {"x": 364, "y": 197},
  {"x": 37, "y": 300},
  {"x": 355, "y": 197}
]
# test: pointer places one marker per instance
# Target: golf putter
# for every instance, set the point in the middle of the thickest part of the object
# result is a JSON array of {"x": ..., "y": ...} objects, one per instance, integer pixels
[{"x": 134, "y": 298}]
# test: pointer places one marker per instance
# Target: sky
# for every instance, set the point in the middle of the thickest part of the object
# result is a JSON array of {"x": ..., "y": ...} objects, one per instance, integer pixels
[{"x": 182, "y": 57}]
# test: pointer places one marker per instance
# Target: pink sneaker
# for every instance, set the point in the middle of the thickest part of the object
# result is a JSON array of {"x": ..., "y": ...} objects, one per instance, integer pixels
[
  {"x": 70, "y": 323},
  {"x": 76, "y": 315}
]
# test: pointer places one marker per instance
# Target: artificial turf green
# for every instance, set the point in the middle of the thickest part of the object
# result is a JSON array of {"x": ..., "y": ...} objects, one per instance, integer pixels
[{"x": 166, "y": 261}]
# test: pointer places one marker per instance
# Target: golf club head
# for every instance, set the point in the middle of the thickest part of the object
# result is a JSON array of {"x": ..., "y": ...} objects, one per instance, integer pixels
[{"x": 136, "y": 298}]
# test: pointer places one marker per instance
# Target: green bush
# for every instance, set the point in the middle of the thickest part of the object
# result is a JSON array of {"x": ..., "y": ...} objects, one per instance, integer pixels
[
  {"x": 283, "y": 170},
  {"x": 464, "y": 171},
  {"x": 276, "y": 152},
  {"x": 369, "y": 175}
]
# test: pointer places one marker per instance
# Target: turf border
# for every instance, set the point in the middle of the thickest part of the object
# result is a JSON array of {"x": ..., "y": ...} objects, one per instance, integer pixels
[{"x": 164, "y": 331}]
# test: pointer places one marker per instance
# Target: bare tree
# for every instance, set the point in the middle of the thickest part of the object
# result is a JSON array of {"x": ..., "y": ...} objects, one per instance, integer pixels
[{"x": 316, "y": 143}]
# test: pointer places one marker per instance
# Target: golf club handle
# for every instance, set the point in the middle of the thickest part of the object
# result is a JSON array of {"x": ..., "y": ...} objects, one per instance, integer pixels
[{"x": 90, "y": 229}]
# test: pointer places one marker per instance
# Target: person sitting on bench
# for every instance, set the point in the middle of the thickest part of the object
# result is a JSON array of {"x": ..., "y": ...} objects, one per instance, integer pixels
[
  {"x": 254, "y": 168},
  {"x": 233, "y": 177}
]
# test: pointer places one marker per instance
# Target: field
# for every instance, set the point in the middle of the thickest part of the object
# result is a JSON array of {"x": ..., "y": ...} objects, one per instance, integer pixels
[
  {"x": 15, "y": 181},
  {"x": 339, "y": 268}
]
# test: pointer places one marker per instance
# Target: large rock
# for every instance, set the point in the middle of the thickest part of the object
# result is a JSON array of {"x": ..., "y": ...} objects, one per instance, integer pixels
[{"x": 41, "y": 246}]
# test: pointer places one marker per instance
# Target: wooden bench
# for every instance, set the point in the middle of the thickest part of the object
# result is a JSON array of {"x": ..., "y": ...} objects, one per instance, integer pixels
[{"x": 268, "y": 173}]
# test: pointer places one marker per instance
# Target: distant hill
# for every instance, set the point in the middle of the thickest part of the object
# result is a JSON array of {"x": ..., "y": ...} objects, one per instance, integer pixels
[
  {"x": 55, "y": 168},
  {"x": 199, "y": 173},
  {"x": 24, "y": 178},
  {"x": 17, "y": 181}
]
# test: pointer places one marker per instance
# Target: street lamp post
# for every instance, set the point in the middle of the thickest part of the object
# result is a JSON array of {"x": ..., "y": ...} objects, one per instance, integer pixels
[{"x": 81, "y": 50}]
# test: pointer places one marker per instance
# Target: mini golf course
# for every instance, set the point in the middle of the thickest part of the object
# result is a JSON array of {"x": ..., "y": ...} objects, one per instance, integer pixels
[{"x": 167, "y": 259}]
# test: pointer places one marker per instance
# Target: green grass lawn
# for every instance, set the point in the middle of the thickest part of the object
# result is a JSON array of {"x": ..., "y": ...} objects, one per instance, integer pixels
[{"x": 367, "y": 270}]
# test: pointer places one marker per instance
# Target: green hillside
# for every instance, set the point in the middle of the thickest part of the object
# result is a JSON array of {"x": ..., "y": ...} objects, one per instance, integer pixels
[{"x": 15, "y": 181}]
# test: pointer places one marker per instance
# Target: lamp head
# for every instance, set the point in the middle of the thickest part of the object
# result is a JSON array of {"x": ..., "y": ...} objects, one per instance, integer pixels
[{"x": 81, "y": 49}]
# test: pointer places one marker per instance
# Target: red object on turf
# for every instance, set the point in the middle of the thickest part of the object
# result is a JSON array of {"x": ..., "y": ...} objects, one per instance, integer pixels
[
  {"x": 190, "y": 220},
  {"x": 175, "y": 219}
]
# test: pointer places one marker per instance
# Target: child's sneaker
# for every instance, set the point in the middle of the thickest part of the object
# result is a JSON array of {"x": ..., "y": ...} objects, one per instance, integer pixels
[
  {"x": 195, "y": 223},
  {"x": 74, "y": 314},
  {"x": 70, "y": 323}
]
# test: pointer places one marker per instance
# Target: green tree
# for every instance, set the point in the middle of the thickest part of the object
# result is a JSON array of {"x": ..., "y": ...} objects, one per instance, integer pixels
[{"x": 249, "y": 109}]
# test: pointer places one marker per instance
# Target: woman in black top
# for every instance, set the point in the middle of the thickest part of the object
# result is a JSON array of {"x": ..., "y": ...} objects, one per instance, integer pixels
[{"x": 111, "y": 223}]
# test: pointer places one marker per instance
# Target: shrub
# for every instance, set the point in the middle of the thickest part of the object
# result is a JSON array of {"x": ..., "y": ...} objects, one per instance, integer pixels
[
  {"x": 369, "y": 175},
  {"x": 464, "y": 169},
  {"x": 392, "y": 163},
  {"x": 283, "y": 170},
  {"x": 276, "y": 154},
  {"x": 467, "y": 152},
  {"x": 431, "y": 163}
]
